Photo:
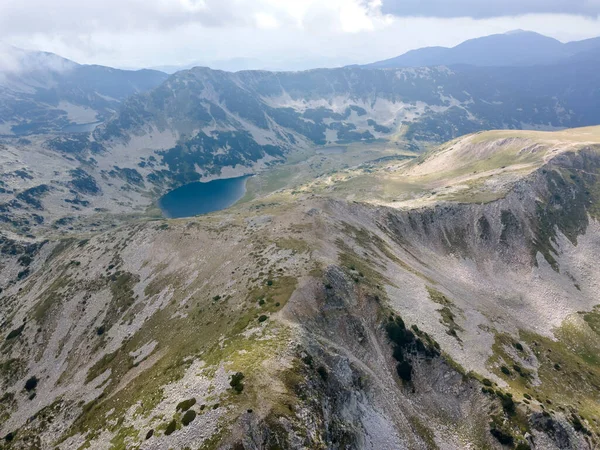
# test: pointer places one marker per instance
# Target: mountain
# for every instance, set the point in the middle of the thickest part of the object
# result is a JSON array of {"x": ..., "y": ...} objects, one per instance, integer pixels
[
  {"x": 202, "y": 124},
  {"x": 519, "y": 48},
  {"x": 442, "y": 300},
  {"x": 42, "y": 92},
  {"x": 274, "y": 65}
]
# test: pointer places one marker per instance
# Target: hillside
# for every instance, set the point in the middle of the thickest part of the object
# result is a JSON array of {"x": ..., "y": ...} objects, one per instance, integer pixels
[{"x": 367, "y": 305}]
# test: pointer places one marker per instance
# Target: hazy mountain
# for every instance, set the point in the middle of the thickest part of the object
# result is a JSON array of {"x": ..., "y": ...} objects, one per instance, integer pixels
[
  {"x": 517, "y": 48},
  {"x": 239, "y": 64},
  {"x": 42, "y": 92},
  {"x": 205, "y": 110}
]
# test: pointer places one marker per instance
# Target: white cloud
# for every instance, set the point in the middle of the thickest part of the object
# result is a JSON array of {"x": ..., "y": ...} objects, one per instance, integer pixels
[{"x": 64, "y": 16}]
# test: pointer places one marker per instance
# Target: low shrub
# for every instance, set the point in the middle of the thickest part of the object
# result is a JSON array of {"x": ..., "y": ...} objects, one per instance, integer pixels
[
  {"x": 501, "y": 435},
  {"x": 236, "y": 382},
  {"x": 149, "y": 434},
  {"x": 15, "y": 333},
  {"x": 404, "y": 370},
  {"x": 188, "y": 417},
  {"x": 262, "y": 318},
  {"x": 171, "y": 427},
  {"x": 185, "y": 404},
  {"x": 322, "y": 371},
  {"x": 308, "y": 360},
  {"x": 31, "y": 384}
]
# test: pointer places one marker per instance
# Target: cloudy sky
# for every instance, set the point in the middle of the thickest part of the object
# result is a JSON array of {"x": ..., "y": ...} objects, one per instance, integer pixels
[{"x": 275, "y": 33}]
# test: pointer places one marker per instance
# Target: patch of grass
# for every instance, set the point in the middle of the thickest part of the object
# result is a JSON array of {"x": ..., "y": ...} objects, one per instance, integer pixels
[
  {"x": 448, "y": 316},
  {"x": 51, "y": 297},
  {"x": 118, "y": 361},
  {"x": 123, "y": 439},
  {"x": 206, "y": 333},
  {"x": 121, "y": 288},
  {"x": 423, "y": 432},
  {"x": 293, "y": 244}
]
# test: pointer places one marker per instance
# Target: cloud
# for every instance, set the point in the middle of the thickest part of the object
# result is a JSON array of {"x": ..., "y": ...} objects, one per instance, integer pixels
[
  {"x": 76, "y": 16},
  {"x": 489, "y": 8},
  {"x": 281, "y": 34},
  {"x": 15, "y": 61}
]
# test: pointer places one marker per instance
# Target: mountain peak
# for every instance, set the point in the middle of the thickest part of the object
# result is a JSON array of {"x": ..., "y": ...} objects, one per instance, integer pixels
[{"x": 519, "y": 31}]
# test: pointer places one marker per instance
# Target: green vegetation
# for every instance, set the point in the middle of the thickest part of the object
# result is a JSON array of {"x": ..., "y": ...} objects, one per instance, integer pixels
[
  {"x": 31, "y": 384},
  {"x": 185, "y": 404},
  {"x": 448, "y": 317},
  {"x": 568, "y": 369},
  {"x": 15, "y": 333},
  {"x": 188, "y": 417},
  {"x": 171, "y": 427},
  {"x": 295, "y": 245},
  {"x": 236, "y": 382},
  {"x": 51, "y": 297},
  {"x": 405, "y": 343},
  {"x": 115, "y": 360}
]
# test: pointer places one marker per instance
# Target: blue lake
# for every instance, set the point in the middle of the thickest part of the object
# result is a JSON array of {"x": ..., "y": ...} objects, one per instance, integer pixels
[{"x": 201, "y": 198}]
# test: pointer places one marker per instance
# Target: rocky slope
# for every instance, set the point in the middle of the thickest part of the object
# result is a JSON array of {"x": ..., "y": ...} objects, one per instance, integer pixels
[{"x": 305, "y": 319}]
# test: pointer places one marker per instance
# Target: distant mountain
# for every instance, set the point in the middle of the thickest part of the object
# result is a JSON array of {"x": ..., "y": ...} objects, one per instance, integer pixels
[
  {"x": 273, "y": 65},
  {"x": 518, "y": 48},
  {"x": 43, "y": 92},
  {"x": 201, "y": 121}
]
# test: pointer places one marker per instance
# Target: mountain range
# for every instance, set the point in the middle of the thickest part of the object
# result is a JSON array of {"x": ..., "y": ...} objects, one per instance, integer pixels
[
  {"x": 202, "y": 124},
  {"x": 42, "y": 92},
  {"x": 413, "y": 264},
  {"x": 516, "y": 48}
]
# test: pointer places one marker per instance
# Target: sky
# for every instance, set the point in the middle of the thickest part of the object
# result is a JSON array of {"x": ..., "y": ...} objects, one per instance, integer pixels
[{"x": 274, "y": 34}]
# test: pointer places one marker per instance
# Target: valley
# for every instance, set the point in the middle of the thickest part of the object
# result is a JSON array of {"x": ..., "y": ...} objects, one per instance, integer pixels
[{"x": 489, "y": 265}]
